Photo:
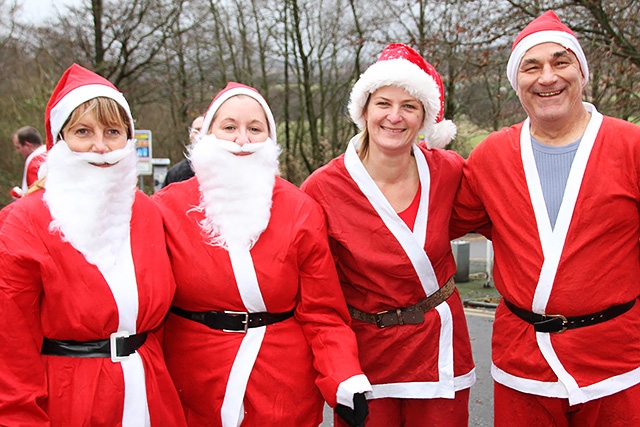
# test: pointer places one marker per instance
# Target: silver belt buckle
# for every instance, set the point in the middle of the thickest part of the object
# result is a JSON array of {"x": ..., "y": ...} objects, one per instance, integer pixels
[
  {"x": 245, "y": 322},
  {"x": 113, "y": 347}
]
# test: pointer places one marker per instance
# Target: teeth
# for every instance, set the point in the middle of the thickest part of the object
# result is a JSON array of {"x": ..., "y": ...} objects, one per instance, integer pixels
[
  {"x": 392, "y": 130},
  {"x": 545, "y": 94}
]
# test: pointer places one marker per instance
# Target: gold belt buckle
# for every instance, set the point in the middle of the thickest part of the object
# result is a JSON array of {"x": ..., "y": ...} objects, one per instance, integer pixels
[{"x": 550, "y": 322}]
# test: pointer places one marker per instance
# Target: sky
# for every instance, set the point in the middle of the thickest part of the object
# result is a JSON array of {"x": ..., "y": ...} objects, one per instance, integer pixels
[{"x": 37, "y": 11}]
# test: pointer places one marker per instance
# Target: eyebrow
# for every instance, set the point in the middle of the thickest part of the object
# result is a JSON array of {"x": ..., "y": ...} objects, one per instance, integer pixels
[
  {"x": 556, "y": 55},
  {"x": 384, "y": 98}
]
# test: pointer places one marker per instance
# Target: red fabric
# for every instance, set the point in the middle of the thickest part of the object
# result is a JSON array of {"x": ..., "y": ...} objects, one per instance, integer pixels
[
  {"x": 294, "y": 270},
  {"x": 402, "y": 51},
  {"x": 417, "y": 412},
  {"x": 33, "y": 167},
  {"x": 409, "y": 215},
  {"x": 376, "y": 274},
  {"x": 48, "y": 289},
  {"x": 548, "y": 21},
  {"x": 515, "y": 409},
  {"x": 74, "y": 77},
  {"x": 599, "y": 266}
]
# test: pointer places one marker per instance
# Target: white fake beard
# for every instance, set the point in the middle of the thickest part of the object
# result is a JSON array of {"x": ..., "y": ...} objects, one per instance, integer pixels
[
  {"x": 235, "y": 191},
  {"x": 91, "y": 206}
]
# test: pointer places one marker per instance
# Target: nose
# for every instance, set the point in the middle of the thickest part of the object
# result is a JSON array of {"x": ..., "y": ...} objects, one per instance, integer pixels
[
  {"x": 547, "y": 75},
  {"x": 99, "y": 145},
  {"x": 394, "y": 115},
  {"x": 242, "y": 138}
]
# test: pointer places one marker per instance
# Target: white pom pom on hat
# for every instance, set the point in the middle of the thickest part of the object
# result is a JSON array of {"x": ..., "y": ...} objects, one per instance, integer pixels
[{"x": 399, "y": 65}]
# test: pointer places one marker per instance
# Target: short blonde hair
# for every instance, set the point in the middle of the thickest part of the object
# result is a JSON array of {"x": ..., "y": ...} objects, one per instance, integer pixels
[{"x": 106, "y": 110}]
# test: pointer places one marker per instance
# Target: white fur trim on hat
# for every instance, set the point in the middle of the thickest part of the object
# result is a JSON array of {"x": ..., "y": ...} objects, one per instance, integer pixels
[
  {"x": 63, "y": 109},
  {"x": 410, "y": 77},
  {"x": 213, "y": 108},
  {"x": 562, "y": 38}
]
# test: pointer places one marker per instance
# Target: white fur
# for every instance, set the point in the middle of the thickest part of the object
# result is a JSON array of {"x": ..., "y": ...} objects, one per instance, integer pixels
[
  {"x": 235, "y": 191},
  {"x": 408, "y": 76},
  {"x": 91, "y": 206}
]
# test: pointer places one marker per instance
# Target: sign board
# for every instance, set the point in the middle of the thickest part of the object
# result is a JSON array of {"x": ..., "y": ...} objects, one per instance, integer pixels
[{"x": 144, "y": 152}]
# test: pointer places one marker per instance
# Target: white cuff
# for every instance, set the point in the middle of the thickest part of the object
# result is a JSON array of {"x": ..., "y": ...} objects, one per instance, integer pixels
[{"x": 347, "y": 388}]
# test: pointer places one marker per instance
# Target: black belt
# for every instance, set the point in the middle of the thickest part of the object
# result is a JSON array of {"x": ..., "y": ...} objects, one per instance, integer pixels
[
  {"x": 118, "y": 346},
  {"x": 231, "y": 321},
  {"x": 560, "y": 323}
]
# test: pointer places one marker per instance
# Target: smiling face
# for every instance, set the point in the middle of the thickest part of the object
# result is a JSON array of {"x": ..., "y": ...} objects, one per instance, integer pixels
[
  {"x": 550, "y": 84},
  {"x": 242, "y": 120},
  {"x": 393, "y": 120}
]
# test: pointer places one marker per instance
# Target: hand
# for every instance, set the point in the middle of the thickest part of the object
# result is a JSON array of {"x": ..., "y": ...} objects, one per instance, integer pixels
[{"x": 354, "y": 417}]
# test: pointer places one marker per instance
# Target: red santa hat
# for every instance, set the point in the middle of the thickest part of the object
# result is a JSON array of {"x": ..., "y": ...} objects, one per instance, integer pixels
[
  {"x": 546, "y": 28},
  {"x": 77, "y": 86},
  {"x": 233, "y": 89},
  {"x": 399, "y": 65}
]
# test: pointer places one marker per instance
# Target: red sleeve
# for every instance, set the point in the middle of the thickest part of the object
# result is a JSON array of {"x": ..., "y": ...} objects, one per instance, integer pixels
[
  {"x": 23, "y": 384},
  {"x": 322, "y": 310},
  {"x": 33, "y": 168},
  {"x": 468, "y": 213}
]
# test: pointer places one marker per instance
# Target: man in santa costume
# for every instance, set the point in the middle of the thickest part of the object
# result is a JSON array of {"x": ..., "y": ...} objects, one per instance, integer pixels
[
  {"x": 258, "y": 332},
  {"x": 388, "y": 202},
  {"x": 28, "y": 143},
  {"x": 85, "y": 278},
  {"x": 558, "y": 194}
]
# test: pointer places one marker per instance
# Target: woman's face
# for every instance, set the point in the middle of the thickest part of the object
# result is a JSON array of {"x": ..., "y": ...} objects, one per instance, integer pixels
[
  {"x": 242, "y": 120},
  {"x": 89, "y": 135},
  {"x": 393, "y": 119}
]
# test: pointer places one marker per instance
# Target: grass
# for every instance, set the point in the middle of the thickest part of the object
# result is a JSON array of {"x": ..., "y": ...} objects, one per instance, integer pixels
[{"x": 477, "y": 289}]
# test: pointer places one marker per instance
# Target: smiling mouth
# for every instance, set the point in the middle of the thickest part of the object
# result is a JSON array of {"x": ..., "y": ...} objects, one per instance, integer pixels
[
  {"x": 392, "y": 130},
  {"x": 548, "y": 94},
  {"x": 103, "y": 165}
]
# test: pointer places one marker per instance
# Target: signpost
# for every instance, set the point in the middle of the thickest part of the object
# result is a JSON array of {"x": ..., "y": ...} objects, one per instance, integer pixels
[{"x": 144, "y": 152}]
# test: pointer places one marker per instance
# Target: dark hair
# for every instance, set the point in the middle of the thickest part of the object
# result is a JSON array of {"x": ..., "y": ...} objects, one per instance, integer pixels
[{"x": 28, "y": 134}]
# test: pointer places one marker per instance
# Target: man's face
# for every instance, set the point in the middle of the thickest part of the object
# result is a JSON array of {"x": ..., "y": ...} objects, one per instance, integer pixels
[
  {"x": 23, "y": 150},
  {"x": 550, "y": 83}
]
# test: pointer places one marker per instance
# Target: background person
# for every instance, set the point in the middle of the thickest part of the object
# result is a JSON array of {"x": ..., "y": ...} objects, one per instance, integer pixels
[
  {"x": 388, "y": 203},
  {"x": 28, "y": 143},
  {"x": 558, "y": 194},
  {"x": 182, "y": 170},
  {"x": 258, "y": 333},
  {"x": 84, "y": 276}
]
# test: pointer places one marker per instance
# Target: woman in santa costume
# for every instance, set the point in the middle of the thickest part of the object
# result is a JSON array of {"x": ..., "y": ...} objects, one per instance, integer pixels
[
  {"x": 388, "y": 201},
  {"x": 258, "y": 332},
  {"x": 85, "y": 279}
]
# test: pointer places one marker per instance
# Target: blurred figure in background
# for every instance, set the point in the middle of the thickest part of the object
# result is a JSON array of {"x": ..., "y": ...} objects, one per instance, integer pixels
[
  {"x": 28, "y": 142},
  {"x": 183, "y": 170}
]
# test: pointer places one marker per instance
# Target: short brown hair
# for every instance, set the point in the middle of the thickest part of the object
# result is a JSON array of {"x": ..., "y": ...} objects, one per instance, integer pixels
[{"x": 106, "y": 110}]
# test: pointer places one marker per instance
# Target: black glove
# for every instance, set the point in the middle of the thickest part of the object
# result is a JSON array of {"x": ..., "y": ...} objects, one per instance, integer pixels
[{"x": 354, "y": 417}]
